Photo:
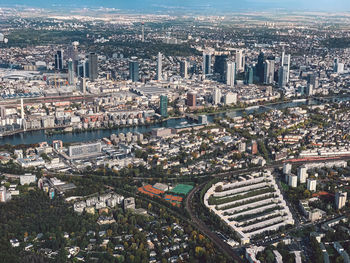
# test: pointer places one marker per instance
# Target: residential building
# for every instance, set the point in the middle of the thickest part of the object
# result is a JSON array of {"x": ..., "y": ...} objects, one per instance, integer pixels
[
  {"x": 340, "y": 199},
  {"x": 311, "y": 185}
]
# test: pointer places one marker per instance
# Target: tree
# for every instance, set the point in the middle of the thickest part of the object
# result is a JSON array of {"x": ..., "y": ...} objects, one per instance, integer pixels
[
  {"x": 218, "y": 188},
  {"x": 199, "y": 251},
  {"x": 45, "y": 157}
]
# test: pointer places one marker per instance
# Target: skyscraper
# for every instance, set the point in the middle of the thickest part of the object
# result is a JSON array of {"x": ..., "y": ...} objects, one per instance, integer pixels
[
  {"x": 163, "y": 106},
  {"x": 134, "y": 71},
  {"x": 260, "y": 68},
  {"x": 240, "y": 60},
  {"x": 206, "y": 63},
  {"x": 93, "y": 69},
  {"x": 72, "y": 51},
  {"x": 184, "y": 69},
  {"x": 71, "y": 74},
  {"x": 83, "y": 69},
  {"x": 312, "y": 84},
  {"x": 22, "y": 109},
  {"x": 87, "y": 68},
  {"x": 159, "y": 66},
  {"x": 249, "y": 75},
  {"x": 269, "y": 71},
  {"x": 59, "y": 64},
  {"x": 219, "y": 66},
  {"x": 285, "y": 62},
  {"x": 230, "y": 73},
  {"x": 282, "y": 77},
  {"x": 82, "y": 85},
  {"x": 143, "y": 32}
]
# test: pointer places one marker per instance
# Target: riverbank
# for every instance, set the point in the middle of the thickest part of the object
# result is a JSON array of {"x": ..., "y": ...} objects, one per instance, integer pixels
[
  {"x": 32, "y": 137},
  {"x": 56, "y": 131}
]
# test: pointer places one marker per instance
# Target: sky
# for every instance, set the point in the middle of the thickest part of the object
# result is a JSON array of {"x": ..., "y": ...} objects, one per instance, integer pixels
[{"x": 192, "y": 5}]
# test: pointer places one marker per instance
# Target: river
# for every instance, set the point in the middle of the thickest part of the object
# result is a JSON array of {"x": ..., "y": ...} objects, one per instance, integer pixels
[{"x": 40, "y": 136}]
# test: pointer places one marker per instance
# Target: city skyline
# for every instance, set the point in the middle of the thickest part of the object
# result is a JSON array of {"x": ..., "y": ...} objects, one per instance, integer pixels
[{"x": 174, "y": 131}]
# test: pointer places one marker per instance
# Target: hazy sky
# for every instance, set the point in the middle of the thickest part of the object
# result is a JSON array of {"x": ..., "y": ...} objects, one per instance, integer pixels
[{"x": 218, "y": 5}]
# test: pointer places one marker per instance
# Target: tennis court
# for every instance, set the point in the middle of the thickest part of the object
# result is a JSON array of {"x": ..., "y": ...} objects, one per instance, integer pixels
[{"x": 183, "y": 189}]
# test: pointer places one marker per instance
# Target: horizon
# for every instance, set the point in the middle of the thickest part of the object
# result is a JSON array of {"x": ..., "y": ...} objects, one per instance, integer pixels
[{"x": 183, "y": 6}]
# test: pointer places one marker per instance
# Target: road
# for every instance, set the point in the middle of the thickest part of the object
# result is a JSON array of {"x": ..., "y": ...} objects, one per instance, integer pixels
[{"x": 223, "y": 246}]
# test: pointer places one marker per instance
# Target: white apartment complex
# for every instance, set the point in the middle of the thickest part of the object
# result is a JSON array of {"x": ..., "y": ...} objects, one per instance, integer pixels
[{"x": 250, "y": 205}]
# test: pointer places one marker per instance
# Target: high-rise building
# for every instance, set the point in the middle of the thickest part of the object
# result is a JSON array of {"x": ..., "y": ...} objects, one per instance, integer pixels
[
  {"x": 302, "y": 174},
  {"x": 292, "y": 180},
  {"x": 134, "y": 71},
  {"x": 312, "y": 79},
  {"x": 338, "y": 67},
  {"x": 312, "y": 84},
  {"x": 83, "y": 69},
  {"x": 311, "y": 184},
  {"x": 230, "y": 73},
  {"x": 143, "y": 32},
  {"x": 191, "y": 99},
  {"x": 184, "y": 69},
  {"x": 285, "y": 62},
  {"x": 309, "y": 90},
  {"x": 340, "y": 199},
  {"x": 287, "y": 168},
  {"x": 249, "y": 75},
  {"x": 93, "y": 68},
  {"x": 82, "y": 85},
  {"x": 163, "y": 106},
  {"x": 71, "y": 74},
  {"x": 206, "y": 63},
  {"x": 260, "y": 68},
  {"x": 283, "y": 77},
  {"x": 217, "y": 96},
  {"x": 240, "y": 60},
  {"x": 159, "y": 66},
  {"x": 220, "y": 66},
  {"x": 59, "y": 63},
  {"x": 22, "y": 109},
  {"x": 269, "y": 71},
  {"x": 72, "y": 52}
]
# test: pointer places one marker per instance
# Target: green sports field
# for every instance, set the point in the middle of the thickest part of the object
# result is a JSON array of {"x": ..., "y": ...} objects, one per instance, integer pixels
[{"x": 183, "y": 189}]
